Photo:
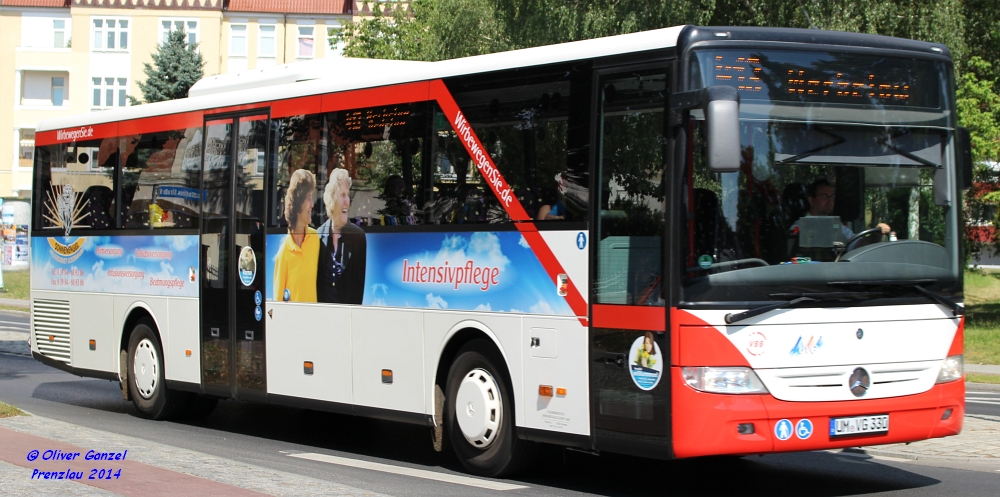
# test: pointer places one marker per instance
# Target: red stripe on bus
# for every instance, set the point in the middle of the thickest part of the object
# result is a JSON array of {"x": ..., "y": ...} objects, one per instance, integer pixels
[
  {"x": 238, "y": 108},
  {"x": 219, "y": 122},
  {"x": 552, "y": 266},
  {"x": 77, "y": 134},
  {"x": 487, "y": 168},
  {"x": 296, "y": 106},
  {"x": 258, "y": 117},
  {"x": 629, "y": 317},
  {"x": 373, "y": 97},
  {"x": 156, "y": 124}
]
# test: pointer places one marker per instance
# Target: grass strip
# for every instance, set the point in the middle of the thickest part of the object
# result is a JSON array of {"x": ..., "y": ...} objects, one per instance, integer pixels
[{"x": 7, "y": 410}]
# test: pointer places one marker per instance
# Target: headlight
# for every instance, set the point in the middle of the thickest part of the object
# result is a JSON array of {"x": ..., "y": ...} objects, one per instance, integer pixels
[
  {"x": 952, "y": 369},
  {"x": 723, "y": 380}
]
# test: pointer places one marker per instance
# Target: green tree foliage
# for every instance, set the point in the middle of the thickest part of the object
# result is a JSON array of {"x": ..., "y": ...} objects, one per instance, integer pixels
[{"x": 176, "y": 67}]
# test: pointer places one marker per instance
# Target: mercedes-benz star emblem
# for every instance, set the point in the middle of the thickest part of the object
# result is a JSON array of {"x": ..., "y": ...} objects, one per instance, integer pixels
[{"x": 859, "y": 382}]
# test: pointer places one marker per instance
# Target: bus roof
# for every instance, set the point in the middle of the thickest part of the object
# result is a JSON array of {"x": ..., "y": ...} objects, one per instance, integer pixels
[{"x": 325, "y": 76}]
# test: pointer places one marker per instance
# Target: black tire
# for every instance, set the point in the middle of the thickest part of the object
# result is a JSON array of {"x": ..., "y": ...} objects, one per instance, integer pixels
[
  {"x": 499, "y": 453},
  {"x": 146, "y": 381}
]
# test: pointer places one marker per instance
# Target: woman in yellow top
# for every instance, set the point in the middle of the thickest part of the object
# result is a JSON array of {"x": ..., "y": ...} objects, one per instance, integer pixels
[{"x": 297, "y": 259}]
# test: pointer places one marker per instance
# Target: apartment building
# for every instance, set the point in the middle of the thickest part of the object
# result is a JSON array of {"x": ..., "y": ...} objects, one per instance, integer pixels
[{"x": 64, "y": 57}]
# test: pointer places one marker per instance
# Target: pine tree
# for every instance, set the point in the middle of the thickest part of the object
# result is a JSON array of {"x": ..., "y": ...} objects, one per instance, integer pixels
[{"x": 176, "y": 67}]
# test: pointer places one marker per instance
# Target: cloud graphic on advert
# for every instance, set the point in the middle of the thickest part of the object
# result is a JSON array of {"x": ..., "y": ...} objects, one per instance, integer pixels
[
  {"x": 181, "y": 243},
  {"x": 484, "y": 307},
  {"x": 524, "y": 243},
  {"x": 378, "y": 293},
  {"x": 484, "y": 248},
  {"x": 542, "y": 307},
  {"x": 436, "y": 302}
]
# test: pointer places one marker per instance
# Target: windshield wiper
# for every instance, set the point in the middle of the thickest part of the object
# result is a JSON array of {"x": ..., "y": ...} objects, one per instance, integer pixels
[
  {"x": 797, "y": 298},
  {"x": 917, "y": 285}
]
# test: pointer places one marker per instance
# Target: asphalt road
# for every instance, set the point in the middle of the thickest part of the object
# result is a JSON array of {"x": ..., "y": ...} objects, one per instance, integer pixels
[{"x": 264, "y": 435}]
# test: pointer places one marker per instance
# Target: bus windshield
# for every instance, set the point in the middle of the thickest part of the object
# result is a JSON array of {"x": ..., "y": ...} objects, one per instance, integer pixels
[{"x": 846, "y": 164}]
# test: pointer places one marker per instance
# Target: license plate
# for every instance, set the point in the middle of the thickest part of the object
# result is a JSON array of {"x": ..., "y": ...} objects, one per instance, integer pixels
[{"x": 859, "y": 425}]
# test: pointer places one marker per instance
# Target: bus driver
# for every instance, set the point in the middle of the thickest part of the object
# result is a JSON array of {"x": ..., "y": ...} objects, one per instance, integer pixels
[{"x": 821, "y": 202}]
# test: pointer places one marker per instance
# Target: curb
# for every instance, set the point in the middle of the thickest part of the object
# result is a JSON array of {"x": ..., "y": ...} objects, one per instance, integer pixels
[
  {"x": 989, "y": 387},
  {"x": 868, "y": 451}
]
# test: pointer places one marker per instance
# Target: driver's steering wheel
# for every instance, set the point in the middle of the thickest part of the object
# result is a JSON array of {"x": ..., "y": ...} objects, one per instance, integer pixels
[{"x": 855, "y": 238}]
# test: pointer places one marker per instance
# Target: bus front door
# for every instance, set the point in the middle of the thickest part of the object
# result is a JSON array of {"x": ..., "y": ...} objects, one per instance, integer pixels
[{"x": 232, "y": 257}]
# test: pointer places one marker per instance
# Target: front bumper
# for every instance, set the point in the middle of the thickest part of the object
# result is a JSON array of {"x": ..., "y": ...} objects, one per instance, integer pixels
[{"x": 706, "y": 424}]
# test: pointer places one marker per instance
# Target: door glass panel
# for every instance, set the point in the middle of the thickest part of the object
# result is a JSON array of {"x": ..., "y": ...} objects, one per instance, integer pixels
[
  {"x": 217, "y": 186},
  {"x": 251, "y": 270},
  {"x": 631, "y": 160}
]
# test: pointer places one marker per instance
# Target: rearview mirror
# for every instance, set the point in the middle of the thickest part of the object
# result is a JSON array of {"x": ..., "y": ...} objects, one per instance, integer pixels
[{"x": 722, "y": 119}]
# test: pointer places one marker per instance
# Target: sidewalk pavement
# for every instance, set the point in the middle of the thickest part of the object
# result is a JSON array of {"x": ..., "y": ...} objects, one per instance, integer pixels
[
  {"x": 148, "y": 468},
  {"x": 979, "y": 441}
]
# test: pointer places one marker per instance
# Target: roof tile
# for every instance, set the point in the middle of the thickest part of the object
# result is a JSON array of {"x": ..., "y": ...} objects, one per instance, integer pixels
[
  {"x": 35, "y": 3},
  {"x": 293, "y": 6}
]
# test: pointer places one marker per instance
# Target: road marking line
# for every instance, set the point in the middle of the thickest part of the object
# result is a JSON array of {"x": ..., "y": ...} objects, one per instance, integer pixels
[
  {"x": 981, "y": 393},
  {"x": 416, "y": 473},
  {"x": 993, "y": 403},
  {"x": 893, "y": 459}
]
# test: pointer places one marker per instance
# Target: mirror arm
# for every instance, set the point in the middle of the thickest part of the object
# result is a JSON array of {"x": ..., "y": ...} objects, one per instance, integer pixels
[{"x": 682, "y": 102}]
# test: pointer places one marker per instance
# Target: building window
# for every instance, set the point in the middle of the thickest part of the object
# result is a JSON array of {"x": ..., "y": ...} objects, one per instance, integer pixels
[
  {"x": 307, "y": 42},
  {"x": 238, "y": 40},
  {"x": 190, "y": 26},
  {"x": 266, "y": 47},
  {"x": 109, "y": 92},
  {"x": 336, "y": 46},
  {"x": 111, "y": 34},
  {"x": 58, "y": 33},
  {"x": 58, "y": 91}
]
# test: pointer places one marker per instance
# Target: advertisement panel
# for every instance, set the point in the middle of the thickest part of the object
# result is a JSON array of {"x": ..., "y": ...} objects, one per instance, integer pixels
[
  {"x": 138, "y": 265},
  {"x": 472, "y": 271}
]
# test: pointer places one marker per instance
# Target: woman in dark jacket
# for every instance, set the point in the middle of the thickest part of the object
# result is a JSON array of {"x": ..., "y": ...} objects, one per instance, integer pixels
[{"x": 341, "y": 274}]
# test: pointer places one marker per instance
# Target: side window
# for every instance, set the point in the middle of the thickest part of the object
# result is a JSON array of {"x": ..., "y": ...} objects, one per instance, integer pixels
[
  {"x": 367, "y": 165},
  {"x": 160, "y": 179},
  {"x": 525, "y": 124},
  {"x": 76, "y": 185},
  {"x": 631, "y": 159}
]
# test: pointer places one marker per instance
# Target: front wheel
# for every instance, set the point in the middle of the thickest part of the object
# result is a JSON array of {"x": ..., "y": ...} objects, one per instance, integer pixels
[
  {"x": 146, "y": 383},
  {"x": 479, "y": 413}
]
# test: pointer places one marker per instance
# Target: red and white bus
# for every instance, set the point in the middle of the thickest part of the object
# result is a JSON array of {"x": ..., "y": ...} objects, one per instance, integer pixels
[{"x": 669, "y": 243}]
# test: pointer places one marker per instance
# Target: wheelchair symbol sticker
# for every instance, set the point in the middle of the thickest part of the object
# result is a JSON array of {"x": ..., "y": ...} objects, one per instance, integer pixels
[
  {"x": 783, "y": 430},
  {"x": 803, "y": 429}
]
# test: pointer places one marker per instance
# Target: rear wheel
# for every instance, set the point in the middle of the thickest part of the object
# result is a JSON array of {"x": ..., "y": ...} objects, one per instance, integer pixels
[
  {"x": 146, "y": 384},
  {"x": 479, "y": 413}
]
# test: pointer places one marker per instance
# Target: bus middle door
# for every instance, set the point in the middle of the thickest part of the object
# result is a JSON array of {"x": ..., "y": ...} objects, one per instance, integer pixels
[{"x": 233, "y": 260}]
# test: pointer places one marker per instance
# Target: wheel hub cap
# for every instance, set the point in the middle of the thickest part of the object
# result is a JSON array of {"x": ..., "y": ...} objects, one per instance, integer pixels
[
  {"x": 482, "y": 415},
  {"x": 145, "y": 364}
]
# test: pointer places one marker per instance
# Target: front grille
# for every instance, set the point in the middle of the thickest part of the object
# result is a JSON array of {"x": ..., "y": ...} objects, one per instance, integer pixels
[
  {"x": 50, "y": 319},
  {"x": 830, "y": 383}
]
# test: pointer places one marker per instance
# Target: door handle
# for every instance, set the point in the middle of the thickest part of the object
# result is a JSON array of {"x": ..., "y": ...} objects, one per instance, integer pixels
[{"x": 249, "y": 334}]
